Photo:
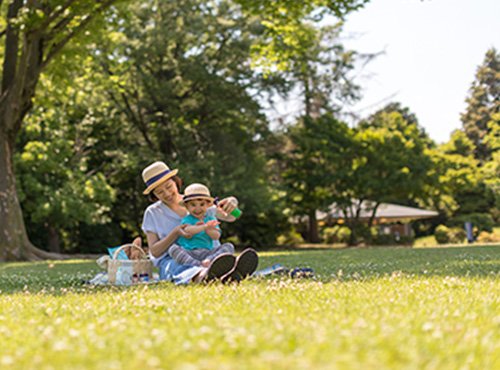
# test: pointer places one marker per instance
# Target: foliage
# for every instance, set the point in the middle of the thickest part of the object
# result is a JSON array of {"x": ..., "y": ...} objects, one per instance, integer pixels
[
  {"x": 58, "y": 185},
  {"x": 368, "y": 307},
  {"x": 33, "y": 34},
  {"x": 391, "y": 164},
  {"x": 321, "y": 73},
  {"x": 489, "y": 237},
  {"x": 336, "y": 234},
  {"x": 187, "y": 92},
  {"x": 142, "y": 94},
  {"x": 331, "y": 163},
  {"x": 480, "y": 221},
  {"x": 441, "y": 234},
  {"x": 287, "y": 27},
  {"x": 318, "y": 159},
  {"x": 483, "y": 103},
  {"x": 460, "y": 186},
  {"x": 445, "y": 235},
  {"x": 291, "y": 238},
  {"x": 394, "y": 161}
]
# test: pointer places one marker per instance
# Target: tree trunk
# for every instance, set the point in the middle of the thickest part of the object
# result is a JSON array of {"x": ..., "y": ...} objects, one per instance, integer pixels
[
  {"x": 353, "y": 238},
  {"x": 54, "y": 239},
  {"x": 13, "y": 237},
  {"x": 313, "y": 227},
  {"x": 14, "y": 242}
]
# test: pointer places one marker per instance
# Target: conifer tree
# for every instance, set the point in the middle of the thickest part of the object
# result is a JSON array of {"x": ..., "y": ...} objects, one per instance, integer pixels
[{"x": 482, "y": 103}]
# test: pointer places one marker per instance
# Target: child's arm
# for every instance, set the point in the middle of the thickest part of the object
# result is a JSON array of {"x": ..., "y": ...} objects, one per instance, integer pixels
[
  {"x": 211, "y": 229},
  {"x": 195, "y": 229}
]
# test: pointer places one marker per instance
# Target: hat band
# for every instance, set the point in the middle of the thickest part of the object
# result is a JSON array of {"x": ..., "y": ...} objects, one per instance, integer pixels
[
  {"x": 153, "y": 179},
  {"x": 191, "y": 196}
]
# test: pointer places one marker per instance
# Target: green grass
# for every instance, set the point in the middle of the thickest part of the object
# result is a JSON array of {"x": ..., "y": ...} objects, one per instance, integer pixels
[{"x": 374, "y": 308}]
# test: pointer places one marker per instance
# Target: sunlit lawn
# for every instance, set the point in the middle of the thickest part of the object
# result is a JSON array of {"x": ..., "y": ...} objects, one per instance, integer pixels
[{"x": 375, "y": 308}]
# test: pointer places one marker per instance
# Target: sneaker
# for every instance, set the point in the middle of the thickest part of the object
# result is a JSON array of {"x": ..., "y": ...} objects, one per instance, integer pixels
[
  {"x": 220, "y": 266},
  {"x": 245, "y": 265}
]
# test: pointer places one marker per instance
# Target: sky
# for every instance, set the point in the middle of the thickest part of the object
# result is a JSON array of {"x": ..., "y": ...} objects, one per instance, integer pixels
[{"x": 431, "y": 50}]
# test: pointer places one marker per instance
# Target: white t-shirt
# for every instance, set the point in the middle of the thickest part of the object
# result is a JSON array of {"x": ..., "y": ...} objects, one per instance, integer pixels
[{"x": 161, "y": 220}]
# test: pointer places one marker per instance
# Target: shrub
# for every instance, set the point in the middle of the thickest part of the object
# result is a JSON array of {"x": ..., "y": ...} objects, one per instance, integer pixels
[
  {"x": 457, "y": 235},
  {"x": 290, "y": 238},
  {"x": 441, "y": 234},
  {"x": 480, "y": 221},
  {"x": 445, "y": 235},
  {"x": 486, "y": 237},
  {"x": 344, "y": 234},
  {"x": 336, "y": 234}
]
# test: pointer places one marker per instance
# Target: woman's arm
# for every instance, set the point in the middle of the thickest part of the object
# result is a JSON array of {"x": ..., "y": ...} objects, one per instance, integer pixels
[
  {"x": 225, "y": 207},
  {"x": 159, "y": 246}
]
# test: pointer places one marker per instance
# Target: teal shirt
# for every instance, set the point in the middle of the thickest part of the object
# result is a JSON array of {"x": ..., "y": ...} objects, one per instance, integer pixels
[{"x": 200, "y": 240}]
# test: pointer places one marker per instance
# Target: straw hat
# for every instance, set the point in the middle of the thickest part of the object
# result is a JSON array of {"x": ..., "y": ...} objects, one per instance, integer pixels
[
  {"x": 196, "y": 191},
  {"x": 156, "y": 174}
]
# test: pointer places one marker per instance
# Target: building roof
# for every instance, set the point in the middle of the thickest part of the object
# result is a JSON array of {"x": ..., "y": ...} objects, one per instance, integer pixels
[{"x": 385, "y": 212}]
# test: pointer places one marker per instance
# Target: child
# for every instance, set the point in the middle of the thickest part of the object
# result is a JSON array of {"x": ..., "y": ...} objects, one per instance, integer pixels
[{"x": 199, "y": 250}]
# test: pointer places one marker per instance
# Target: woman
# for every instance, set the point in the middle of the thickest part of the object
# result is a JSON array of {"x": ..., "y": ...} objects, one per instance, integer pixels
[{"x": 162, "y": 226}]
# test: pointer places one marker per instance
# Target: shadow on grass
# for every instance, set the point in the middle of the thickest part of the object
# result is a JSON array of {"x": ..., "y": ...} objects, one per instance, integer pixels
[{"x": 57, "y": 277}]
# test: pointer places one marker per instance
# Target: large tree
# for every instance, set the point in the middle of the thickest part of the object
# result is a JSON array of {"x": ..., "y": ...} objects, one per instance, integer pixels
[
  {"x": 320, "y": 74},
  {"x": 317, "y": 167},
  {"x": 391, "y": 165},
  {"x": 35, "y": 32}
]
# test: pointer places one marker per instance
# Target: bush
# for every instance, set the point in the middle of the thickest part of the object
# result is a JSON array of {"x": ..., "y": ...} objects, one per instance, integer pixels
[
  {"x": 290, "y": 238},
  {"x": 445, "y": 235},
  {"x": 486, "y": 237},
  {"x": 335, "y": 234},
  {"x": 480, "y": 221},
  {"x": 457, "y": 235},
  {"x": 441, "y": 234}
]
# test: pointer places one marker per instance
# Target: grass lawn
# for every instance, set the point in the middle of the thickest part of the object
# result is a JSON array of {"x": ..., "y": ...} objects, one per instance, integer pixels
[{"x": 374, "y": 308}]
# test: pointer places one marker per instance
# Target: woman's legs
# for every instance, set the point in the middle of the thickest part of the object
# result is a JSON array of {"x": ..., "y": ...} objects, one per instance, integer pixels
[{"x": 170, "y": 270}]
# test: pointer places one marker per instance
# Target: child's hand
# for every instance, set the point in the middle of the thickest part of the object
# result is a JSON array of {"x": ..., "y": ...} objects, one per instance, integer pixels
[{"x": 212, "y": 224}]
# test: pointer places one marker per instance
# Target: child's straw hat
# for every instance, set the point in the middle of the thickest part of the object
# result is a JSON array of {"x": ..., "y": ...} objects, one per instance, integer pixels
[
  {"x": 156, "y": 174},
  {"x": 196, "y": 191}
]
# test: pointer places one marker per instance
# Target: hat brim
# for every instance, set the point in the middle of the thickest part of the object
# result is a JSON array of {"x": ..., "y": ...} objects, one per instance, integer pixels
[
  {"x": 206, "y": 197},
  {"x": 160, "y": 181}
]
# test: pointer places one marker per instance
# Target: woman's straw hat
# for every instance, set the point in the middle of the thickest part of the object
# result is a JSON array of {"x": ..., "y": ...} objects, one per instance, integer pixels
[
  {"x": 156, "y": 174},
  {"x": 196, "y": 191}
]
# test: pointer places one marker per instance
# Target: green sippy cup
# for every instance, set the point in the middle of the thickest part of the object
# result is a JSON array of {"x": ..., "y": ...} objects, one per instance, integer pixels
[{"x": 236, "y": 213}]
